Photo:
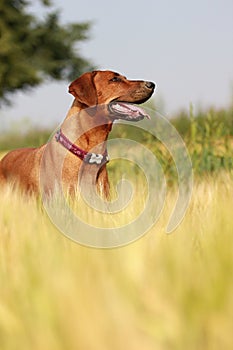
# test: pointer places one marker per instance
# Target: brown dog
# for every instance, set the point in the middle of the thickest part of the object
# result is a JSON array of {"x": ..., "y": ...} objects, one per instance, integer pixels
[{"x": 84, "y": 131}]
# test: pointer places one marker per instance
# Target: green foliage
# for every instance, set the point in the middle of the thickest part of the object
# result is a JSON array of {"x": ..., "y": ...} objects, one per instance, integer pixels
[
  {"x": 208, "y": 137},
  {"x": 32, "y": 50}
]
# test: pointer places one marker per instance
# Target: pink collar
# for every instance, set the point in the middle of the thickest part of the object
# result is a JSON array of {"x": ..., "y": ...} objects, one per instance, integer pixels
[{"x": 90, "y": 158}]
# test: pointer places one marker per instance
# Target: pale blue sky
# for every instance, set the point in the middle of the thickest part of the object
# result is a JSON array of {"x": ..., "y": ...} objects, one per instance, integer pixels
[{"x": 186, "y": 47}]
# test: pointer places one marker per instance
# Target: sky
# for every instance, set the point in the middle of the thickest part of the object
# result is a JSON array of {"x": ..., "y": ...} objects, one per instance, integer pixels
[{"x": 186, "y": 47}]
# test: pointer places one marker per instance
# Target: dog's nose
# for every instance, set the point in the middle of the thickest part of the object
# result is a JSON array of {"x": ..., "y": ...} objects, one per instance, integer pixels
[{"x": 150, "y": 85}]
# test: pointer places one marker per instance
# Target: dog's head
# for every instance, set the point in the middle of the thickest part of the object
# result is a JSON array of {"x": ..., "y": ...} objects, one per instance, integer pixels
[{"x": 114, "y": 91}]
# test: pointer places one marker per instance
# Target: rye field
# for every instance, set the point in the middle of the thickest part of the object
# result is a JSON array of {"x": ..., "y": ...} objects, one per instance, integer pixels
[{"x": 163, "y": 291}]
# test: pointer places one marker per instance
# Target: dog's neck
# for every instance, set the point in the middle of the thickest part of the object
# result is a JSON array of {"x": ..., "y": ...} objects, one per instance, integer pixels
[{"x": 88, "y": 131}]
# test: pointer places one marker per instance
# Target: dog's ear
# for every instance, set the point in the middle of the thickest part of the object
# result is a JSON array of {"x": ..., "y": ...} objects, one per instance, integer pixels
[{"x": 83, "y": 89}]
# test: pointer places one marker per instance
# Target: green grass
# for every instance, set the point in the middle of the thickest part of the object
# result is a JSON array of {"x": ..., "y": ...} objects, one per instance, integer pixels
[
  {"x": 208, "y": 137},
  {"x": 165, "y": 292}
]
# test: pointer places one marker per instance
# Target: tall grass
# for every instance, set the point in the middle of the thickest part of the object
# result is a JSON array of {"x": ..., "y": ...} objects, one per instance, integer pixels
[
  {"x": 162, "y": 292},
  {"x": 165, "y": 292}
]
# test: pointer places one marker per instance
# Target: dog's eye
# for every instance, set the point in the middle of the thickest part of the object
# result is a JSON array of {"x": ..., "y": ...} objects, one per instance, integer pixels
[{"x": 115, "y": 79}]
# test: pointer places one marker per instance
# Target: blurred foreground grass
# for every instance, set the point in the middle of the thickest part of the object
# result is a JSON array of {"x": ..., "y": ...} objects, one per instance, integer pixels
[{"x": 165, "y": 292}]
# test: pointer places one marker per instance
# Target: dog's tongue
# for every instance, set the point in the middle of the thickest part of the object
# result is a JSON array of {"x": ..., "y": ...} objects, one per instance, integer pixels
[{"x": 130, "y": 110}]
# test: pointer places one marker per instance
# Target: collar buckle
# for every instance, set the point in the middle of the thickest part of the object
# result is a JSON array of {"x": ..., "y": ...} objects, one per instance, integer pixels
[{"x": 95, "y": 158}]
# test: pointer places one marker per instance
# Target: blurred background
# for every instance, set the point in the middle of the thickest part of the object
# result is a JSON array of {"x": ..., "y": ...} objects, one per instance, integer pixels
[{"x": 185, "y": 47}]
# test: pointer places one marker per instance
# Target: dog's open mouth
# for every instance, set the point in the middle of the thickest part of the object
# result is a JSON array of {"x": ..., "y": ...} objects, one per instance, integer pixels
[{"x": 127, "y": 111}]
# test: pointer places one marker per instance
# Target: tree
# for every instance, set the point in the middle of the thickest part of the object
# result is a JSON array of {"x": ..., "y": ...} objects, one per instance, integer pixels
[{"x": 32, "y": 50}]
